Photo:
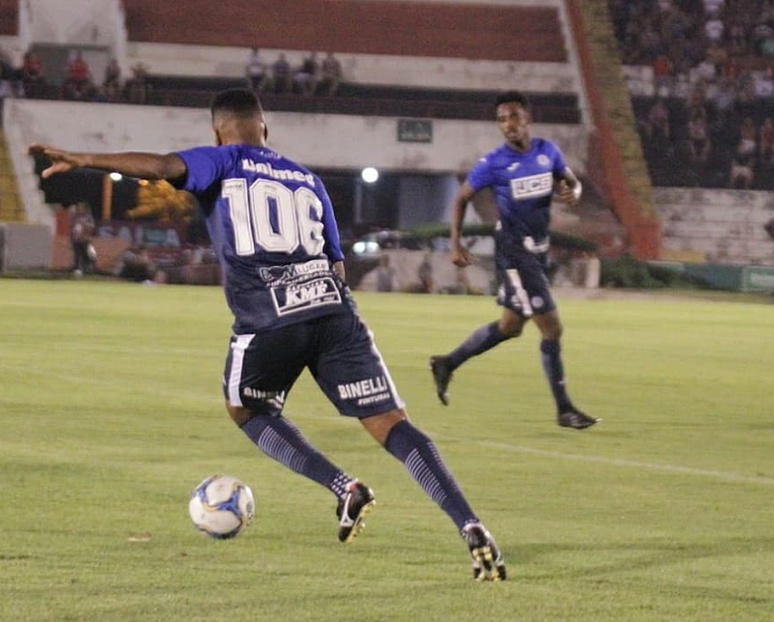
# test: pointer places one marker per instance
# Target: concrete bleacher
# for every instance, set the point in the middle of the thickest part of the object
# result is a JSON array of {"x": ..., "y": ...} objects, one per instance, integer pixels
[{"x": 719, "y": 226}]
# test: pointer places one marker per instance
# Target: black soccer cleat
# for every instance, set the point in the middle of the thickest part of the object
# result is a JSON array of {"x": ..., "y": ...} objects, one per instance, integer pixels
[
  {"x": 442, "y": 375},
  {"x": 575, "y": 419},
  {"x": 352, "y": 509},
  {"x": 488, "y": 564}
]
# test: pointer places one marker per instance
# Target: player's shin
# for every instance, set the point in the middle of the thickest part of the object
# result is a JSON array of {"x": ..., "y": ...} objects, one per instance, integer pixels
[
  {"x": 422, "y": 460},
  {"x": 281, "y": 440}
]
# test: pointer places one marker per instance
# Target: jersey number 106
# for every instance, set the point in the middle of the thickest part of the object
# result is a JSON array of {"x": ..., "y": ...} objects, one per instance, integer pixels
[{"x": 294, "y": 225}]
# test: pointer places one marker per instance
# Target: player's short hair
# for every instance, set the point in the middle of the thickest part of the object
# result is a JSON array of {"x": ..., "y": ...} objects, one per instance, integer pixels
[
  {"x": 238, "y": 102},
  {"x": 515, "y": 97}
]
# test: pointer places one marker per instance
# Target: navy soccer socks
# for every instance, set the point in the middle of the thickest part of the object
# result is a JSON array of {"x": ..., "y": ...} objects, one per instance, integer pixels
[
  {"x": 281, "y": 440},
  {"x": 485, "y": 338},
  {"x": 422, "y": 460},
  {"x": 551, "y": 355}
]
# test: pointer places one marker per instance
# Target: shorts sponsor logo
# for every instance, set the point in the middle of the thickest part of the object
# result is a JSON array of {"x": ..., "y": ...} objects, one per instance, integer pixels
[
  {"x": 537, "y": 302},
  {"x": 263, "y": 395},
  {"x": 303, "y": 296},
  {"x": 368, "y": 391},
  {"x": 532, "y": 186}
]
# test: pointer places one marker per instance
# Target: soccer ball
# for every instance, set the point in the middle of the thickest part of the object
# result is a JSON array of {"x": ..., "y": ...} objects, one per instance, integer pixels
[{"x": 222, "y": 507}]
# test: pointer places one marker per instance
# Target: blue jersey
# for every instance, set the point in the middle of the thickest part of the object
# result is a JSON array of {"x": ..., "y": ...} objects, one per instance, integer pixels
[
  {"x": 272, "y": 226},
  {"x": 523, "y": 183}
]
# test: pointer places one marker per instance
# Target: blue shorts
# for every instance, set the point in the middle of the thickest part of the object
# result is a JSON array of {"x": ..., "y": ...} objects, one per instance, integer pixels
[
  {"x": 339, "y": 351},
  {"x": 524, "y": 286}
]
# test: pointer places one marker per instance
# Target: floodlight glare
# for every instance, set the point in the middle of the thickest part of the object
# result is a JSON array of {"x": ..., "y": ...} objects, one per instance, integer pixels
[{"x": 369, "y": 174}]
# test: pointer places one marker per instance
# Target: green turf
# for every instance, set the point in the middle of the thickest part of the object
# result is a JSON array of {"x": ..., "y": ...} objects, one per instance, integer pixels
[{"x": 111, "y": 412}]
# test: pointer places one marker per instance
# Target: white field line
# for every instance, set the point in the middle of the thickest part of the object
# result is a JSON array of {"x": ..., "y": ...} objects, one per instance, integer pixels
[
  {"x": 650, "y": 466},
  {"x": 198, "y": 393}
]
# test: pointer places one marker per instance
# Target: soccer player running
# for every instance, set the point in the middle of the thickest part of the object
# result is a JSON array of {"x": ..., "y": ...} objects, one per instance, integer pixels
[
  {"x": 272, "y": 225},
  {"x": 521, "y": 173}
]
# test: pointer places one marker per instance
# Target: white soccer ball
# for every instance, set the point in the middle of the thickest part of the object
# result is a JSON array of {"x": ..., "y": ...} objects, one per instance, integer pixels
[{"x": 222, "y": 506}]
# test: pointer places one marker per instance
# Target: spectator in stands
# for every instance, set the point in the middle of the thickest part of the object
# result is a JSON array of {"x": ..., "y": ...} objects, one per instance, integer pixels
[
  {"x": 32, "y": 75},
  {"x": 713, "y": 7},
  {"x": 9, "y": 76},
  {"x": 281, "y": 75},
  {"x": 698, "y": 136},
  {"x": 766, "y": 141},
  {"x": 658, "y": 122},
  {"x": 742, "y": 173},
  {"x": 81, "y": 231},
  {"x": 256, "y": 71},
  {"x": 737, "y": 37},
  {"x": 136, "y": 264},
  {"x": 78, "y": 84},
  {"x": 136, "y": 87},
  {"x": 385, "y": 274},
  {"x": 765, "y": 172},
  {"x": 331, "y": 75},
  {"x": 111, "y": 85},
  {"x": 308, "y": 74},
  {"x": 747, "y": 137},
  {"x": 662, "y": 74}
]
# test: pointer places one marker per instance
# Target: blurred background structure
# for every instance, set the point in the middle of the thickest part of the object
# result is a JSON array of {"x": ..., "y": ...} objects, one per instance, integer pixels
[{"x": 664, "y": 108}]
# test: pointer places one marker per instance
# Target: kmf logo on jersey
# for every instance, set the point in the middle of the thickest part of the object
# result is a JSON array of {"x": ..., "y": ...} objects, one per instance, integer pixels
[
  {"x": 301, "y": 296},
  {"x": 532, "y": 186}
]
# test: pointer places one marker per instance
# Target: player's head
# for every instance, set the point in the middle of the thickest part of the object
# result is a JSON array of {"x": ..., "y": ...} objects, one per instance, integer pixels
[
  {"x": 237, "y": 117},
  {"x": 512, "y": 111}
]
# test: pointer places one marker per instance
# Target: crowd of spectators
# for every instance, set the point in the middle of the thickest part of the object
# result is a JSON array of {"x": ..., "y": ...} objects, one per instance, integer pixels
[
  {"x": 311, "y": 77},
  {"x": 709, "y": 122},
  {"x": 75, "y": 81}
]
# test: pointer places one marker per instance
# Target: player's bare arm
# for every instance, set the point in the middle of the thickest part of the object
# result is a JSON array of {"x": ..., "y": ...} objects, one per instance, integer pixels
[
  {"x": 338, "y": 266},
  {"x": 133, "y": 164},
  {"x": 569, "y": 188},
  {"x": 461, "y": 257}
]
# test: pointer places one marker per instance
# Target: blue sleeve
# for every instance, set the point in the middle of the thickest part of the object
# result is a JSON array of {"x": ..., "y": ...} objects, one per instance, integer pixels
[
  {"x": 205, "y": 166},
  {"x": 481, "y": 175},
  {"x": 332, "y": 246},
  {"x": 558, "y": 159}
]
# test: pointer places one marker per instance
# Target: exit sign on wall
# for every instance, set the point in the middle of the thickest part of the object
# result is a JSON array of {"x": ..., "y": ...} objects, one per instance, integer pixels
[{"x": 415, "y": 131}]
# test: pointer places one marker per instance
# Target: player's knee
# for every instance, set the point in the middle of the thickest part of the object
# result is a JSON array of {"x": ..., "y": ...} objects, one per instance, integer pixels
[
  {"x": 553, "y": 331},
  {"x": 511, "y": 328},
  {"x": 239, "y": 414}
]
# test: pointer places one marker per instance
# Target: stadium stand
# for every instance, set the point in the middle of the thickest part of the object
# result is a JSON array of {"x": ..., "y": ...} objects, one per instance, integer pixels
[{"x": 702, "y": 88}]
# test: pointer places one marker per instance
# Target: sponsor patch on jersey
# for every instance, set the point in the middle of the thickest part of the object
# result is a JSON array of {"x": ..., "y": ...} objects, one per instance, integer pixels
[
  {"x": 543, "y": 160},
  {"x": 307, "y": 295},
  {"x": 533, "y": 186}
]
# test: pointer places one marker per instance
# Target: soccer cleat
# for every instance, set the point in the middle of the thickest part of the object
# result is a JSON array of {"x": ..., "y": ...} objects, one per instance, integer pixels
[
  {"x": 575, "y": 419},
  {"x": 488, "y": 564},
  {"x": 352, "y": 509},
  {"x": 442, "y": 375}
]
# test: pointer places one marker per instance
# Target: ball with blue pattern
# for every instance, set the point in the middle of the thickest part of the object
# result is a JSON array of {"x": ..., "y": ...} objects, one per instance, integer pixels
[{"x": 222, "y": 507}]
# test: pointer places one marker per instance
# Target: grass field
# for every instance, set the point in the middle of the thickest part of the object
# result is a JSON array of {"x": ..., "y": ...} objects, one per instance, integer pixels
[{"x": 111, "y": 412}]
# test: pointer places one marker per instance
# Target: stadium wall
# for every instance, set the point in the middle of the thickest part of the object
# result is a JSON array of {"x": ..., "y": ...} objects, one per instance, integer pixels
[{"x": 330, "y": 141}]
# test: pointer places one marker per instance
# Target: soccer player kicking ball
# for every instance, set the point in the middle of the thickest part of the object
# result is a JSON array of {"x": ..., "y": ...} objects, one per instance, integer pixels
[
  {"x": 273, "y": 228},
  {"x": 521, "y": 174}
]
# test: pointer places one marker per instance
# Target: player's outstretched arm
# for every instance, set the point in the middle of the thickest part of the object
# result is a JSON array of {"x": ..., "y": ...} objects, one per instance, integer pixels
[{"x": 133, "y": 164}]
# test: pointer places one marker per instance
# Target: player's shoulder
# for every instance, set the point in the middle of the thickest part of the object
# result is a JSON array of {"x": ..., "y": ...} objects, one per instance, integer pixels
[
  {"x": 495, "y": 155},
  {"x": 544, "y": 145}
]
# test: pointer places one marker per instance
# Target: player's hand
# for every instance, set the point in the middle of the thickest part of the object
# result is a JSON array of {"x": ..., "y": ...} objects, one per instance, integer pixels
[
  {"x": 461, "y": 257},
  {"x": 566, "y": 194},
  {"x": 61, "y": 161}
]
